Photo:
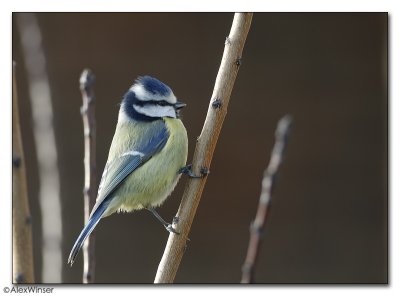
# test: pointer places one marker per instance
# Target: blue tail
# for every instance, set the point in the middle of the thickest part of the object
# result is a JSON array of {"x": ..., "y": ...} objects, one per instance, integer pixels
[{"x": 93, "y": 220}]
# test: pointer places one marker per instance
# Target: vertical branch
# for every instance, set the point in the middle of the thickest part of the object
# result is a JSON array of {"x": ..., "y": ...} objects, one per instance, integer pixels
[
  {"x": 204, "y": 150},
  {"x": 45, "y": 144},
  {"x": 267, "y": 186},
  {"x": 89, "y": 128},
  {"x": 22, "y": 228}
]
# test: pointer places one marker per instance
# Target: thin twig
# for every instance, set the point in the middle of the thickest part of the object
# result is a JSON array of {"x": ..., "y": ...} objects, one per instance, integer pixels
[
  {"x": 22, "y": 226},
  {"x": 89, "y": 127},
  {"x": 204, "y": 150},
  {"x": 268, "y": 182}
]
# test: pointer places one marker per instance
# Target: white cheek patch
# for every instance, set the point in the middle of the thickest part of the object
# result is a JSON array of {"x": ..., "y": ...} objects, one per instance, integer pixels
[
  {"x": 156, "y": 110},
  {"x": 143, "y": 95}
]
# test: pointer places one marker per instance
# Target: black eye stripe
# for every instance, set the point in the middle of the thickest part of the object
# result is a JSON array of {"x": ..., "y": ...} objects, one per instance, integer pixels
[
  {"x": 159, "y": 103},
  {"x": 131, "y": 97},
  {"x": 163, "y": 103}
]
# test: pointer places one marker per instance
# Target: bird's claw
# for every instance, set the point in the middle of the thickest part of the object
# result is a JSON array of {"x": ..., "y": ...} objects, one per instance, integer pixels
[
  {"x": 188, "y": 171},
  {"x": 170, "y": 228}
]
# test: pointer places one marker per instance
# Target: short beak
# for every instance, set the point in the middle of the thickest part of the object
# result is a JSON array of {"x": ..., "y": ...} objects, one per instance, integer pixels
[{"x": 179, "y": 105}]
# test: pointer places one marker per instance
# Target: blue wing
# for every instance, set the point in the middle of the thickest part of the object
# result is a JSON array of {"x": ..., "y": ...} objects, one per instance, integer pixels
[{"x": 114, "y": 174}]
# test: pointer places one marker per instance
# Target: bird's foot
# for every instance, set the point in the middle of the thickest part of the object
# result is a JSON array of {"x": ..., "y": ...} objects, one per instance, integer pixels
[
  {"x": 167, "y": 226},
  {"x": 170, "y": 228},
  {"x": 188, "y": 171}
]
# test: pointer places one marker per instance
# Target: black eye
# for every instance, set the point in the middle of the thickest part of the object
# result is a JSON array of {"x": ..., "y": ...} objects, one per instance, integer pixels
[{"x": 162, "y": 103}]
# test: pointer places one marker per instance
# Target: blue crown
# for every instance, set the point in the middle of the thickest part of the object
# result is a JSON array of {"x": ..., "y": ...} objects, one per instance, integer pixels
[{"x": 153, "y": 85}]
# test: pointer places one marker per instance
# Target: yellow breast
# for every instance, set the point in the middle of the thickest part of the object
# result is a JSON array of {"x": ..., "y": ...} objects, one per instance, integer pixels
[{"x": 153, "y": 182}]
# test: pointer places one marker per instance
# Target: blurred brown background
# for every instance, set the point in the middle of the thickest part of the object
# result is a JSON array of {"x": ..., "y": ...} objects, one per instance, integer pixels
[{"x": 328, "y": 70}]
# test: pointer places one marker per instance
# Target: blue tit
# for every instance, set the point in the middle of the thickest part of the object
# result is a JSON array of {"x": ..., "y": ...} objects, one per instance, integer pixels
[{"x": 147, "y": 153}]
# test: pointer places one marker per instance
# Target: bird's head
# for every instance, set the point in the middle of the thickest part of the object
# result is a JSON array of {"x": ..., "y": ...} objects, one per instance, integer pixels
[{"x": 149, "y": 99}]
